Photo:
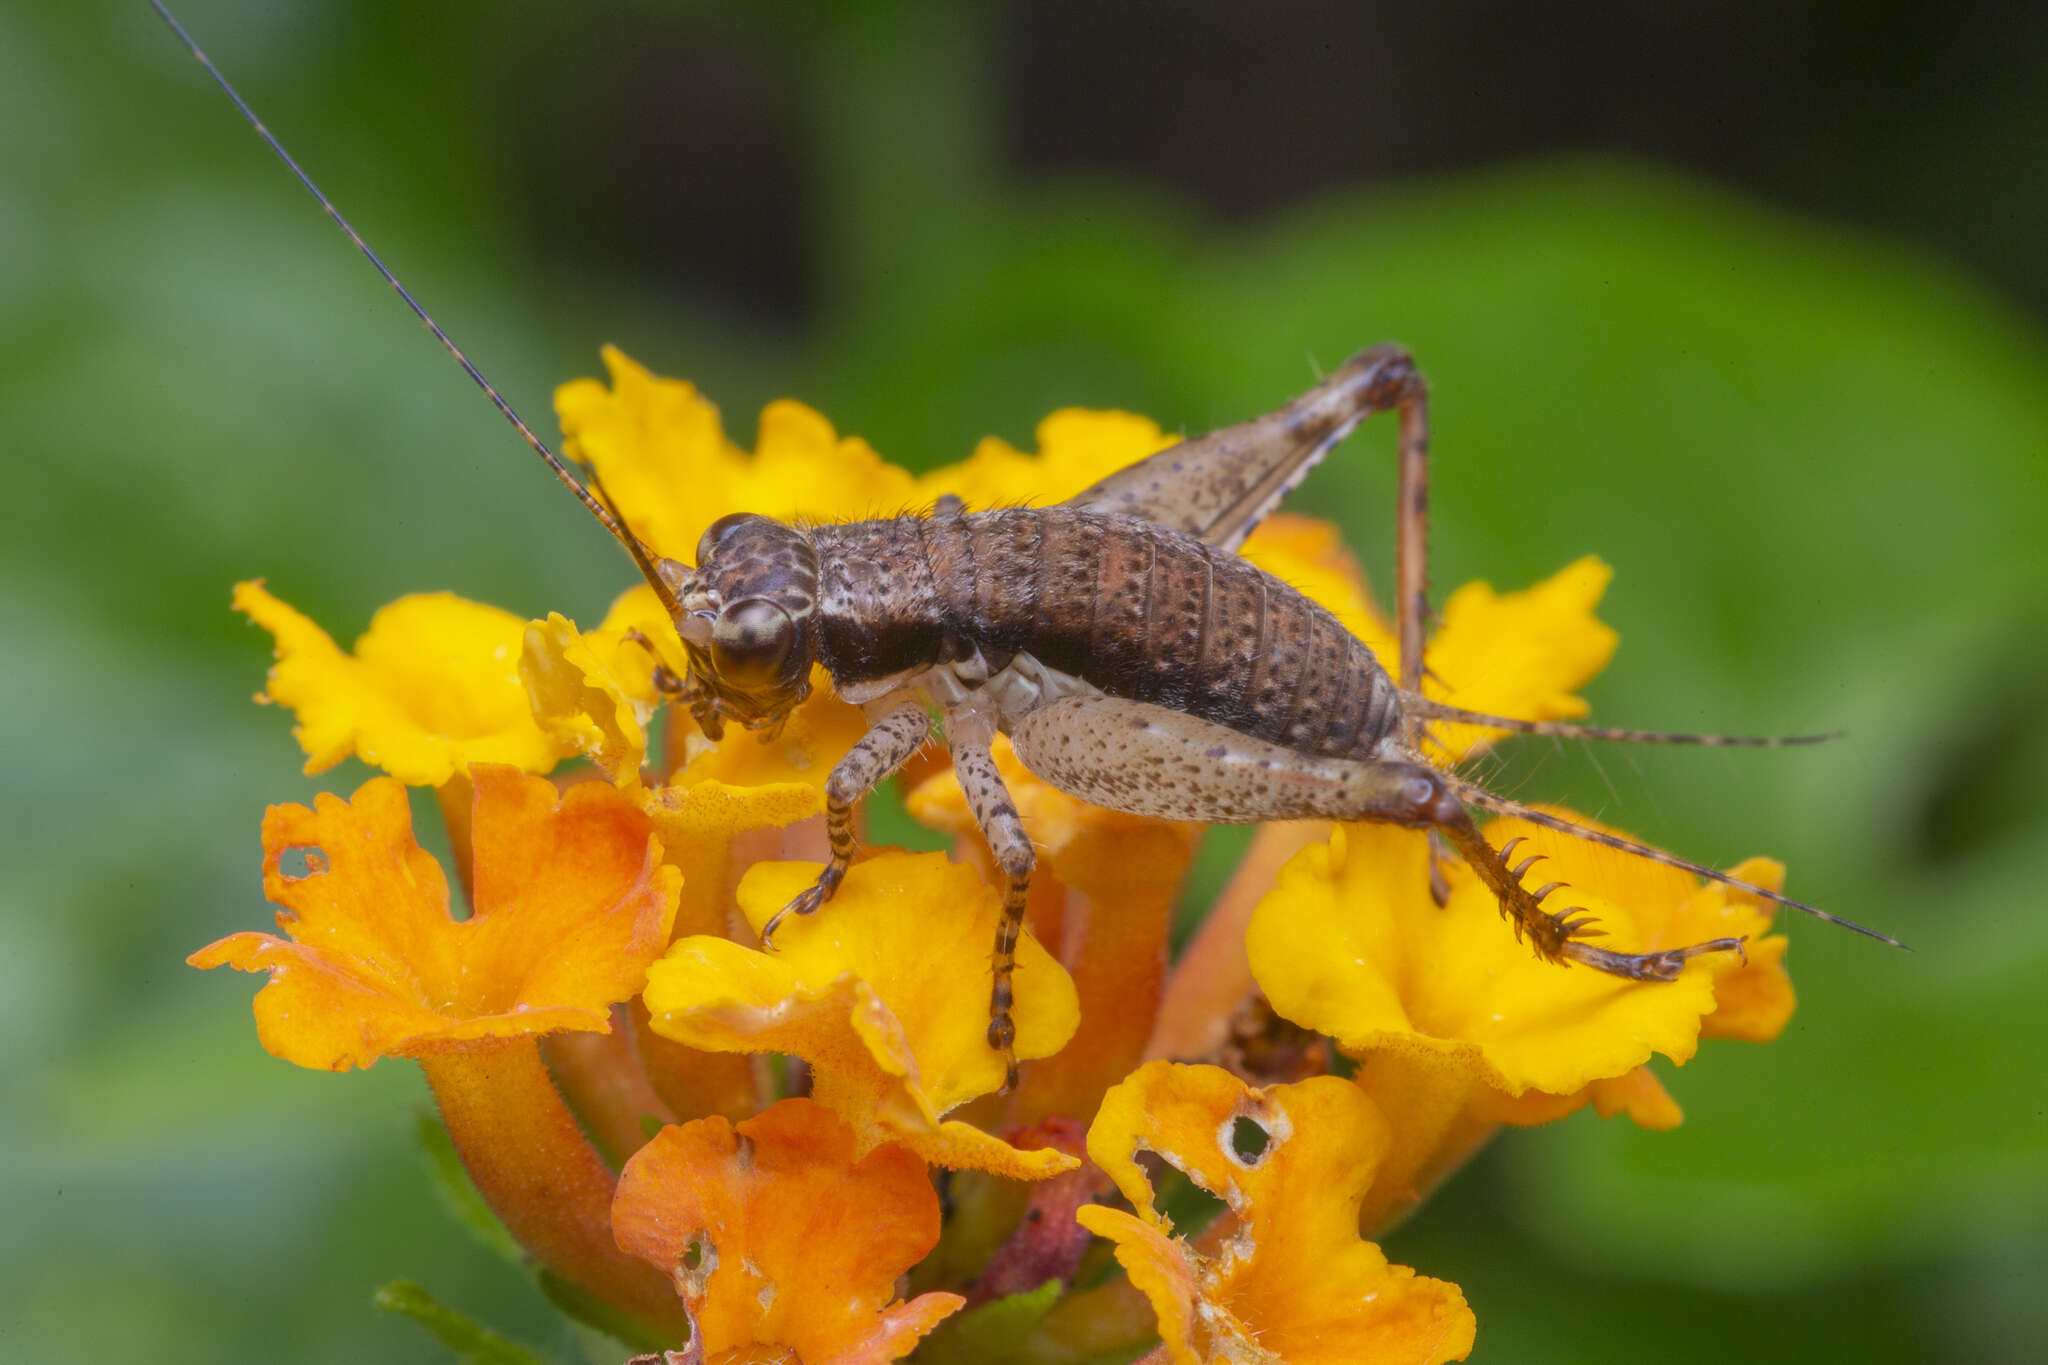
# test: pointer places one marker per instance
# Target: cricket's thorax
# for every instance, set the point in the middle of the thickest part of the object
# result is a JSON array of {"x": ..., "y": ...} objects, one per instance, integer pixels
[{"x": 1038, "y": 603}]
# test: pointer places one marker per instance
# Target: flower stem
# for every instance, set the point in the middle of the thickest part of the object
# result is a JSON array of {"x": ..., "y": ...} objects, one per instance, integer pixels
[
  {"x": 545, "y": 1182},
  {"x": 1213, "y": 976},
  {"x": 600, "y": 1076},
  {"x": 1119, "y": 889},
  {"x": 1436, "y": 1106}
]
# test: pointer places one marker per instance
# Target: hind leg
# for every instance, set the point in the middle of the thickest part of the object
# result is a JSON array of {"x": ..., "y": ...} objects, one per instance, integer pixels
[{"x": 1150, "y": 760}]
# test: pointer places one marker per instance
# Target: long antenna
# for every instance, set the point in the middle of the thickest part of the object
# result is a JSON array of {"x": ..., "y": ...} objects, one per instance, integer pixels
[
  {"x": 597, "y": 509},
  {"x": 1436, "y": 710}
]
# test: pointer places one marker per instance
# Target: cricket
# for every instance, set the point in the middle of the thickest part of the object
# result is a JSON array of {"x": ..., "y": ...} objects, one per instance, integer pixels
[{"x": 1133, "y": 658}]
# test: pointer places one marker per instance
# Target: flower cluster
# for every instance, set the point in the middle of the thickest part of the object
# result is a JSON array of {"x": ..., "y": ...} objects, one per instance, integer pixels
[{"x": 739, "y": 1155}]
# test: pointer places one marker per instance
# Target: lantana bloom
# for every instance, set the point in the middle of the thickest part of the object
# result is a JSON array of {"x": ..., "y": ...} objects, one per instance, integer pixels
[
  {"x": 1285, "y": 1277},
  {"x": 731, "y": 1153},
  {"x": 572, "y": 902}
]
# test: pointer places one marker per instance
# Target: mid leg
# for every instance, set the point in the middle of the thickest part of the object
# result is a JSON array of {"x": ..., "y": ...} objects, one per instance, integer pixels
[
  {"x": 878, "y": 753},
  {"x": 1150, "y": 760},
  {"x": 969, "y": 733}
]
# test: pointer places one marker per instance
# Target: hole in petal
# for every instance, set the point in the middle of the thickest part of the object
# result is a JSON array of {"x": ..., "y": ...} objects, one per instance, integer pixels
[
  {"x": 695, "y": 1266},
  {"x": 1248, "y": 1141},
  {"x": 301, "y": 861},
  {"x": 1186, "y": 1205}
]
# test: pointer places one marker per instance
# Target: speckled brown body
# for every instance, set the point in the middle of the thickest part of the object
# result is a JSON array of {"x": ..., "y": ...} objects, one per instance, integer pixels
[{"x": 1129, "y": 607}]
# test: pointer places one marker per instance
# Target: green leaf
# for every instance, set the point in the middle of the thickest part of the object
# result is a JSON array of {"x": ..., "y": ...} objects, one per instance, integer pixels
[
  {"x": 469, "y": 1341},
  {"x": 595, "y": 1313}
]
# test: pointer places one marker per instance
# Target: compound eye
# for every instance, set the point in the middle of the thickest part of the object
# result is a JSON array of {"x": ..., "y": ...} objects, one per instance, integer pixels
[
  {"x": 751, "y": 641},
  {"x": 719, "y": 530}
]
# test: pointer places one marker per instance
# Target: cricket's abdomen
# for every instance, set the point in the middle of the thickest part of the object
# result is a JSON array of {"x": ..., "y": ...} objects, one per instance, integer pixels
[{"x": 1127, "y": 606}]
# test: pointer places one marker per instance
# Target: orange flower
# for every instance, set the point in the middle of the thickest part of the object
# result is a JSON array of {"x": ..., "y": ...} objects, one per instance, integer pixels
[
  {"x": 1288, "y": 1279},
  {"x": 777, "y": 1233},
  {"x": 572, "y": 903}
]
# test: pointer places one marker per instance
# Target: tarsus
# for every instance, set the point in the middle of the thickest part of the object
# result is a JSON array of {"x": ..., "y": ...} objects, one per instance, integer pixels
[
  {"x": 1501, "y": 805},
  {"x": 597, "y": 509}
]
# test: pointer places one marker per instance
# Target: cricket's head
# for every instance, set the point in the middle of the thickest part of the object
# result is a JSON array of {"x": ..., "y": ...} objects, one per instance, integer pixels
[{"x": 745, "y": 614}]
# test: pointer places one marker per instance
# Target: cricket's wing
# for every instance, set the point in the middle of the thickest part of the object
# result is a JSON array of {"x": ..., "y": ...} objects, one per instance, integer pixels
[{"x": 1218, "y": 487}]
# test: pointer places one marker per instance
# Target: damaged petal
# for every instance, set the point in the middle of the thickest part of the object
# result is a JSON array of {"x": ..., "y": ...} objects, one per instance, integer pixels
[
  {"x": 572, "y": 903},
  {"x": 779, "y": 1233},
  {"x": 1290, "y": 1279}
]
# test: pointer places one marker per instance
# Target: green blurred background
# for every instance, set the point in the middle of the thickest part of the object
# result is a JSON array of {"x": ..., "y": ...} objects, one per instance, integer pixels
[{"x": 1746, "y": 301}]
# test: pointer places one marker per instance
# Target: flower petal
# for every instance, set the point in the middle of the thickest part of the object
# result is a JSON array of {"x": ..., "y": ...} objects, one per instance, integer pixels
[
  {"x": 1076, "y": 447},
  {"x": 1117, "y": 877},
  {"x": 665, "y": 459},
  {"x": 884, "y": 991},
  {"x": 1351, "y": 944},
  {"x": 583, "y": 697},
  {"x": 1753, "y": 1000},
  {"x": 778, "y": 1232},
  {"x": 432, "y": 686},
  {"x": 1293, "y": 1281},
  {"x": 572, "y": 903},
  {"x": 1518, "y": 654}
]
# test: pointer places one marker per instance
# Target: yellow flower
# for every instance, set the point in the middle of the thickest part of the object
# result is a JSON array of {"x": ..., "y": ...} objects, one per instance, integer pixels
[
  {"x": 1517, "y": 654},
  {"x": 1286, "y": 1277},
  {"x": 1459, "y": 1026},
  {"x": 432, "y": 687},
  {"x": 884, "y": 992},
  {"x": 1547, "y": 641},
  {"x": 662, "y": 453},
  {"x": 1076, "y": 447}
]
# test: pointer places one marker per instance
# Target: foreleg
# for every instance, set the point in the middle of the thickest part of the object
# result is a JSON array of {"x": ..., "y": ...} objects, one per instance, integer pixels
[
  {"x": 877, "y": 754},
  {"x": 1149, "y": 760},
  {"x": 969, "y": 733}
]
